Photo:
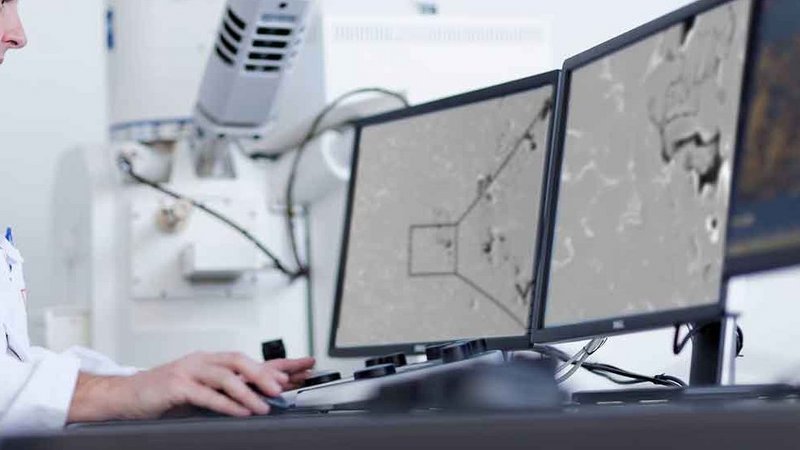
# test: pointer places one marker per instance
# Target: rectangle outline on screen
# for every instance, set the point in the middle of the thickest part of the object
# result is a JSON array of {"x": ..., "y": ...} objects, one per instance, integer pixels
[
  {"x": 521, "y": 342},
  {"x": 540, "y": 333}
]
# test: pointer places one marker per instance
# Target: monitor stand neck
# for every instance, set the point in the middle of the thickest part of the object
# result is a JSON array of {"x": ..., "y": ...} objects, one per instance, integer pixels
[{"x": 714, "y": 353}]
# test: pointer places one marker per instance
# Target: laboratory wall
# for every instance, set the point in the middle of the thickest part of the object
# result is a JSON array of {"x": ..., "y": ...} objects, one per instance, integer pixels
[
  {"x": 581, "y": 24},
  {"x": 52, "y": 97}
]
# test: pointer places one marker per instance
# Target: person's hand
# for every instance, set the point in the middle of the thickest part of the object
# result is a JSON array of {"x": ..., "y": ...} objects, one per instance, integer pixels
[{"x": 215, "y": 381}]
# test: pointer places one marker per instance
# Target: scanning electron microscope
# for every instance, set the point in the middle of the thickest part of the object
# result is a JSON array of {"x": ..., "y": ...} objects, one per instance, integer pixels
[{"x": 174, "y": 236}]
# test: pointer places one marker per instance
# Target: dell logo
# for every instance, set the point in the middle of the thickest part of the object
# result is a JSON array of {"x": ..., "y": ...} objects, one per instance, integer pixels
[
  {"x": 618, "y": 325},
  {"x": 427, "y": 8}
]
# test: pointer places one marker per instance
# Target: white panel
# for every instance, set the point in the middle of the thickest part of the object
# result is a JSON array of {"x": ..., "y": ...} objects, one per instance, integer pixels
[
  {"x": 432, "y": 57},
  {"x": 157, "y": 331},
  {"x": 157, "y": 266},
  {"x": 160, "y": 50},
  {"x": 768, "y": 305}
]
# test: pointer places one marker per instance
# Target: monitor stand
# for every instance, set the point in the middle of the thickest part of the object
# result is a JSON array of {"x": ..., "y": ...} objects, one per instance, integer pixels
[{"x": 714, "y": 353}]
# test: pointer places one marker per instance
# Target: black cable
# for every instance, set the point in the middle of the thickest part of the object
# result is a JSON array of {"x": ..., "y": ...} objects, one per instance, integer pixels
[
  {"x": 739, "y": 341},
  {"x": 274, "y": 153},
  {"x": 314, "y": 132},
  {"x": 679, "y": 344},
  {"x": 126, "y": 166},
  {"x": 613, "y": 379},
  {"x": 634, "y": 378},
  {"x": 673, "y": 379},
  {"x": 662, "y": 380},
  {"x": 610, "y": 372}
]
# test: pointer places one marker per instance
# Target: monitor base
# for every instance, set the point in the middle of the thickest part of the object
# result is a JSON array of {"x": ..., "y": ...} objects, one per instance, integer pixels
[{"x": 766, "y": 392}]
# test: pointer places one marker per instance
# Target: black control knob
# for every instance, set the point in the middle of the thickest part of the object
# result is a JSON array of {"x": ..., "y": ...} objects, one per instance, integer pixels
[
  {"x": 456, "y": 352},
  {"x": 273, "y": 350},
  {"x": 396, "y": 359},
  {"x": 434, "y": 352},
  {"x": 478, "y": 346},
  {"x": 322, "y": 378},
  {"x": 375, "y": 372}
]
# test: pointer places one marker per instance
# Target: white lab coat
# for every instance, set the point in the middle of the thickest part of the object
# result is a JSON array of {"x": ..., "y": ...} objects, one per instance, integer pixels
[{"x": 36, "y": 385}]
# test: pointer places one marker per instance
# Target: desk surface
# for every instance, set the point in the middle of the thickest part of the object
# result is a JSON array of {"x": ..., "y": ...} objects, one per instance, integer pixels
[{"x": 640, "y": 427}]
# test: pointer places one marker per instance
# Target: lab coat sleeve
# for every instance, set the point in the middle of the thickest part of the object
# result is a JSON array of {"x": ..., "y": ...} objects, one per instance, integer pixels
[
  {"x": 98, "y": 364},
  {"x": 35, "y": 396},
  {"x": 91, "y": 362}
]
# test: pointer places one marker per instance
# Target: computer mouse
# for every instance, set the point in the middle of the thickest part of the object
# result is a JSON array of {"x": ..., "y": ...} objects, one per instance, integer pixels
[{"x": 277, "y": 404}]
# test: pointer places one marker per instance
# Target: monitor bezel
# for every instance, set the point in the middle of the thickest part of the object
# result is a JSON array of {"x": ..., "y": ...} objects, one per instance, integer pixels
[
  {"x": 540, "y": 332},
  {"x": 774, "y": 259},
  {"x": 521, "y": 342}
]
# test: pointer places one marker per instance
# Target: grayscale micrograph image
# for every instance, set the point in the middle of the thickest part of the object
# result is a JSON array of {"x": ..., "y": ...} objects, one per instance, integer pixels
[
  {"x": 646, "y": 174},
  {"x": 444, "y": 223}
]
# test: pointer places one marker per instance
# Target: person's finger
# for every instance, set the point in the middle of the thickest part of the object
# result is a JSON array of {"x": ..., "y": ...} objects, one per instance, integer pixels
[
  {"x": 231, "y": 384},
  {"x": 237, "y": 361},
  {"x": 294, "y": 381},
  {"x": 269, "y": 382},
  {"x": 297, "y": 380},
  {"x": 300, "y": 377},
  {"x": 292, "y": 366},
  {"x": 293, "y": 386},
  {"x": 206, "y": 397}
]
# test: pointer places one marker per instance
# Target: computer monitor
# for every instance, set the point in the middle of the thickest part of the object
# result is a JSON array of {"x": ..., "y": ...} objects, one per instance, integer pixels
[
  {"x": 641, "y": 177},
  {"x": 765, "y": 219},
  {"x": 442, "y": 222}
]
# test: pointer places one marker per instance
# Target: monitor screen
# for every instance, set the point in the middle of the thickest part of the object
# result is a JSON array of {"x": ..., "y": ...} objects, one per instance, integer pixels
[
  {"x": 765, "y": 222},
  {"x": 643, "y": 166},
  {"x": 443, "y": 221}
]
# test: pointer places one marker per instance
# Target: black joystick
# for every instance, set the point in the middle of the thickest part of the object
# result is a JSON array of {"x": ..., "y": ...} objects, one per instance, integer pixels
[
  {"x": 478, "y": 346},
  {"x": 456, "y": 352},
  {"x": 273, "y": 350},
  {"x": 375, "y": 372},
  {"x": 434, "y": 352},
  {"x": 322, "y": 378},
  {"x": 396, "y": 359}
]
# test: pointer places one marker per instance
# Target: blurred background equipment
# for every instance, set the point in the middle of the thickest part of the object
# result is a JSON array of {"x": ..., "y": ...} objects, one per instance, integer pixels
[{"x": 156, "y": 282}]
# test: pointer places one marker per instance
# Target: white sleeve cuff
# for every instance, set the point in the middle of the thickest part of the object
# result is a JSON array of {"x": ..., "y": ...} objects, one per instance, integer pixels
[
  {"x": 43, "y": 403},
  {"x": 98, "y": 364}
]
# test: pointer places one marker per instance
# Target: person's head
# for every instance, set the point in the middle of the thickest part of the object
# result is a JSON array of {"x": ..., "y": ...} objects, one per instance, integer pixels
[{"x": 12, "y": 35}]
